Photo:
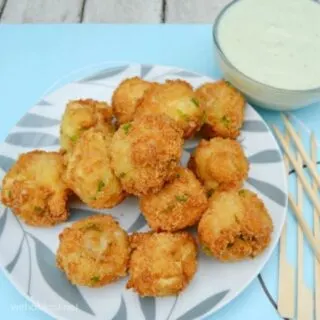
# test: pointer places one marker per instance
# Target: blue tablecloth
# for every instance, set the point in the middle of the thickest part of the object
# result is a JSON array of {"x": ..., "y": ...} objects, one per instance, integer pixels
[{"x": 33, "y": 57}]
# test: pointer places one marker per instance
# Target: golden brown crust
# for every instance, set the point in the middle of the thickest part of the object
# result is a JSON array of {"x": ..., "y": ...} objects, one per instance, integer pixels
[
  {"x": 89, "y": 173},
  {"x": 224, "y": 108},
  {"x": 34, "y": 190},
  {"x": 178, "y": 205},
  {"x": 81, "y": 115},
  {"x": 126, "y": 98},
  {"x": 220, "y": 164},
  {"x": 94, "y": 251},
  {"x": 146, "y": 152},
  {"x": 235, "y": 226},
  {"x": 161, "y": 264},
  {"x": 176, "y": 99}
]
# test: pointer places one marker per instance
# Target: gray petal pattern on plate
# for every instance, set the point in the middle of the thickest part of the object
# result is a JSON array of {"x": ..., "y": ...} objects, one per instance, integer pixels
[
  {"x": 138, "y": 224},
  {"x": 107, "y": 73},
  {"x": 6, "y": 163},
  {"x": 33, "y": 120},
  {"x": 266, "y": 156},
  {"x": 43, "y": 103},
  {"x": 148, "y": 307},
  {"x": 270, "y": 191},
  {"x": 122, "y": 312},
  {"x": 145, "y": 69},
  {"x": 57, "y": 279},
  {"x": 32, "y": 139},
  {"x": 254, "y": 126},
  {"x": 3, "y": 220},
  {"x": 204, "y": 306},
  {"x": 14, "y": 261},
  {"x": 185, "y": 74}
]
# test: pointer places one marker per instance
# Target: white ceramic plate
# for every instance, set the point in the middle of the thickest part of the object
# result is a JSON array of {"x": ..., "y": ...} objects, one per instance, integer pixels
[{"x": 27, "y": 254}]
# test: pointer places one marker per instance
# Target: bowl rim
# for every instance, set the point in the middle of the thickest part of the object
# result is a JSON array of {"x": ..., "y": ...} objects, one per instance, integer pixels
[{"x": 227, "y": 61}]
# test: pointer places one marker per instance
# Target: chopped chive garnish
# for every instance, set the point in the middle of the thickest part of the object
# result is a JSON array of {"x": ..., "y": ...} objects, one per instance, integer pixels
[
  {"x": 195, "y": 102},
  {"x": 226, "y": 121},
  {"x": 74, "y": 138},
  {"x": 101, "y": 185},
  {"x": 126, "y": 127},
  {"x": 242, "y": 193},
  {"x": 209, "y": 193},
  {"x": 95, "y": 279},
  {"x": 38, "y": 209},
  {"x": 181, "y": 198},
  {"x": 9, "y": 193},
  {"x": 204, "y": 117},
  {"x": 182, "y": 115}
]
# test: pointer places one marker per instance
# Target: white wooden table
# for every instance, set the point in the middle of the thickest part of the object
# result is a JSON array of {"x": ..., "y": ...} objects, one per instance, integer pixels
[{"x": 110, "y": 11}]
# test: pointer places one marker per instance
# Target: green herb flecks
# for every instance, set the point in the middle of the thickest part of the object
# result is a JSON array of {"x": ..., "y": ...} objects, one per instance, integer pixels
[
  {"x": 9, "y": 193},
  {"x": 206, "y": 250},
  {"x": 226, "y": 121},
  {"x": 209, "y": 193},
  {"x": 101, "y": 185},
  {"x": 182, "y": 115},
  {"x": 95, "y": 279},
  {"x": 126, "y": 127},
  {"x": 242, "y": 193},
  {"x": 204, "y": 117},
  {"x": 38, "y": 210},
  {"x": 182, "y": 198},
  {"x": 74, "y": 138},
  {"x": 122, "y": 175},
  {"x": 195, "y": 102}
]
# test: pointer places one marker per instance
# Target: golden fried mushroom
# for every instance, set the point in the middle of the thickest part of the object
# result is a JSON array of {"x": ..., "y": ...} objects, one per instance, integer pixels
[
  {"x": 146, "y": 152},
  {"x": 178, "y": 205},
  {"x": 161, "y": 264},
  {"x": 34, "y": 190},
  {"x": 89, "y": 173},
  {"x": 235, "y": 226},
  {"x": 176, "y": 99},
  {"x": 220, "y": 164},
  {"x": 126, "y": 98},
  {"x": 81, "y": 115},
  {"x": 224, "y": 109},
  {"x": 94, "y": 251}
]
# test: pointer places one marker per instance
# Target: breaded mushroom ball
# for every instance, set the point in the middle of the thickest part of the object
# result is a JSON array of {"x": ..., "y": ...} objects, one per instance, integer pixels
[
  {"x": 146, "y": 152},
  {"x": 236, "y": 226},
  {"x": 178, "y": 205},
  {"x": 176, "y": 99},
  {"x": 220, "y": 164},
  {"x": 126, "y": 98},
  {"x": 81, "y": 115},
  {"x": 94, "y": 251},
  {"x": 224, "y": 109},
  {"x": 34, "y": 189},
  {"x": 161, "y": 264},
  {"x": 89, "y": 174}
]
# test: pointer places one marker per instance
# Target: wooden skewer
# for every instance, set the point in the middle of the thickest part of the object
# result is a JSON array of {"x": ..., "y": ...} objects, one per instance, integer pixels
[
  {"x": 312, "y": 167},
  {"x": 313, "y": 196},
  {"x": 316, "y": 229},
  {"x": 304, "y": 301},
  {"x": 286, "y": 289},
  {"x": 305, "y": 228}
]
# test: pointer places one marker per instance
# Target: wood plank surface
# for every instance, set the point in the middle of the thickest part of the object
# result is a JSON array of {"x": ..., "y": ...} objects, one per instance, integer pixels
[
  {"x": 19, "y": 11},
  {"x": 194, "y": 11},
  {"x": 123, "y": 11}
]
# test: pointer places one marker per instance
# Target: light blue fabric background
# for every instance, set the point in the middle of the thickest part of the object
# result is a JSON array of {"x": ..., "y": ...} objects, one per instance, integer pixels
[{"x": 33, "y": 57}]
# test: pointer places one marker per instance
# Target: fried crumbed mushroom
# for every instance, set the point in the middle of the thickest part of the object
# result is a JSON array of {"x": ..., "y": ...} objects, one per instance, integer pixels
[
  {"x": 176, "y": 99},
  {"x": 224, "y": 109},
  {"x": 178, "y": 205},
  {"x": 161, "y": 264},
  {"x": 146, "y": 152},
  {"x": 220, "y": 164},
  {"x": 126, "y": 98},
  {"x": 94, "y": 251},
  {"x": 81, "y": 115},
  {"x": 34, "y": 190},
  {"x": 89, "y": 174},
  {"x": 235, "y": 226}
]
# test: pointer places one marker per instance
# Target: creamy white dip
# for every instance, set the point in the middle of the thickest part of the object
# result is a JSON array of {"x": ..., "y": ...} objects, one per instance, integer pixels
[{"x": 276, "y": 42}]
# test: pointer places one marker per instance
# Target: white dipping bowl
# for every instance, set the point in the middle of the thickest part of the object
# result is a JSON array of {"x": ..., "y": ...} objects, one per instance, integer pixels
[{"x": 256, "y": 92}]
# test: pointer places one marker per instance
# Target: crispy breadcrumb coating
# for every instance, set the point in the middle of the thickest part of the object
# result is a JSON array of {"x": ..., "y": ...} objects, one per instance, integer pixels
[
  {"x": 235, "y": 226},
  {"x": 89, "y": 173},
  {"x": 146, "y": 152},
  {"x": 178, "y": 205},
  {"x": 176, "y": 99},
  {"x": 94, "y": 251},
  {"x": 126, "y": 98},
  {"x": 34, "y": 189},
  {"x": 220, "y": 164},
  {"x": 224, "y": 109},
  {"x": 161, "y": 264},
  {"x": 81, "y": 115}
]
